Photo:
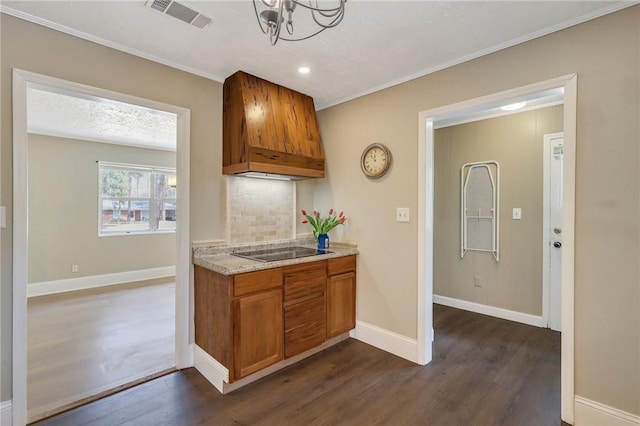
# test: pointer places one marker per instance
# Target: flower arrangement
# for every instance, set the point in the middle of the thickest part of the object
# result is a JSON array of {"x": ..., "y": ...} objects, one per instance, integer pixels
[{"x": 322, "y": 225}]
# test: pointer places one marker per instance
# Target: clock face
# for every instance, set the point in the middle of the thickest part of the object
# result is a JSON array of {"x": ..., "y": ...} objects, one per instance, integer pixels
[{"x": 375, "y": 160}]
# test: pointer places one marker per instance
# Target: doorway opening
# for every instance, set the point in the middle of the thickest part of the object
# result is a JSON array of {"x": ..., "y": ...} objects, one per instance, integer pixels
[
  {"x": 110, "y": 281},
  {"x": 101, "y": 299},
  {"x": 428, "y": 120}
]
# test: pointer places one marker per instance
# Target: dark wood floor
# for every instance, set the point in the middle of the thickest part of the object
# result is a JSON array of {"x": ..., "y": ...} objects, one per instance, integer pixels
[{"x": 485, "y": 371}]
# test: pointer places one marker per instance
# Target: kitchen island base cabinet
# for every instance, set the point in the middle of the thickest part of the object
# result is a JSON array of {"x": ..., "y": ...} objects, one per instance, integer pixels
[
  {"x": 257, "y": 332},
  {"x": 253, "y": 323}
]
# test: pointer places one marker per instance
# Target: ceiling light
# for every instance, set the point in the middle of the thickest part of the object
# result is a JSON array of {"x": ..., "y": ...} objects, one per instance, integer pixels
[
  {"x": 513, "y": 107},
  {"x": 304, "y": 70},
  {"x": 273, "y": 12}
]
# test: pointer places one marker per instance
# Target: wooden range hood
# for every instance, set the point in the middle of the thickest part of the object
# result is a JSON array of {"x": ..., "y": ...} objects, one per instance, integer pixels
[{"x": 269, "y": 129}]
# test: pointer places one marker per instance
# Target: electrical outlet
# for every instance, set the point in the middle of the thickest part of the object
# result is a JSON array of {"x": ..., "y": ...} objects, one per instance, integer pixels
[
  {"x": 402, "y": 214},
  {"x": 74, "y": 268},
  {"x": 477, "y": 281}
]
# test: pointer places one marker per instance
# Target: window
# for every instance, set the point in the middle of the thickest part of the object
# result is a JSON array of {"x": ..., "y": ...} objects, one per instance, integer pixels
[{"x": 136, "y": 199}]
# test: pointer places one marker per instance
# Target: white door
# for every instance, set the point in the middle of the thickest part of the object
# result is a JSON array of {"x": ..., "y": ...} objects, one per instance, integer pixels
[{"x": 553, "y": 153}]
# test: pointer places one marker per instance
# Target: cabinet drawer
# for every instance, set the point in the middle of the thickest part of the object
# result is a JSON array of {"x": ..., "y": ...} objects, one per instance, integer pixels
[
  {"x": 341, "y": 265},
  {"x": 304, "y": 326},
  {"x": 252, "y": 282},
  {"x": 303, "y": 282}
]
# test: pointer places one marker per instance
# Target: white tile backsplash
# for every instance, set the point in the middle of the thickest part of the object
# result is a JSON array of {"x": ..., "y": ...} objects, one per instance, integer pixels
[{"x": 259, "y": 210}]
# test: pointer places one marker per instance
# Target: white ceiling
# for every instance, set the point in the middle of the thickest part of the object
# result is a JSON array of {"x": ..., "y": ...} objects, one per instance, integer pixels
[
  {"x": 73, "y": 115},
  {"x": 378, "y": 44}
]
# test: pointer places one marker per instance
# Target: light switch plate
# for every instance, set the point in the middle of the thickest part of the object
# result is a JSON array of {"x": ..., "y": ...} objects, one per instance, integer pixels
[
  {"x": 517, "y": 213},
  {"x": 402, "y": 214}
]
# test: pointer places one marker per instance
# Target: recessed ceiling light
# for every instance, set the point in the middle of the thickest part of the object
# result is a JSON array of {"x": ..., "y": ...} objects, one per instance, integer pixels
[
  {"x": 513, "y": 107},
  {"x": 304, "y": 70}
]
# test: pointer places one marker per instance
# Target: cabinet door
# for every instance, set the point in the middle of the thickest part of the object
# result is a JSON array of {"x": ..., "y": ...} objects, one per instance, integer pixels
[
  {"x": 341, "y": 303},
  {"x": 258, "y": 333}
]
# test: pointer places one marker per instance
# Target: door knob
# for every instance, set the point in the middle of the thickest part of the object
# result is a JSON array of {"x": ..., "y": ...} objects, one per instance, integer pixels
[
  {"x": 557, "y": 230},
  {"x": 557, "y": 244}
]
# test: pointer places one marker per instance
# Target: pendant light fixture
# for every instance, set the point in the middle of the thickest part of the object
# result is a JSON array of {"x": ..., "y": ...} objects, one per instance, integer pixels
[{"x": 274, "y": 13}]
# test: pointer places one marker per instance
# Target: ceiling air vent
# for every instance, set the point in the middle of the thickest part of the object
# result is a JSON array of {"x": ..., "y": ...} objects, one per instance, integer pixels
[{"x": 179, "y": 11}]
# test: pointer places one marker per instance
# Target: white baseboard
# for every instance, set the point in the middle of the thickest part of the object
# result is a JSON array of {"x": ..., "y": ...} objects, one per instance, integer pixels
[
  {"x": 493, "y": 311},
  {"x": 592, "y": 413},
  {"x": 386, "y": 340},
  {"x": 6, "y": 413},
  {"x": 211, "y": 369},
  {"x": 93, "y": 281}
]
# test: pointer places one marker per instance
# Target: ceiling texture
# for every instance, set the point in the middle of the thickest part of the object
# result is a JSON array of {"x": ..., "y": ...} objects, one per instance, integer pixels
[
  {"x": 377, "y": 45},
  {"x": 55, "y": 112}
]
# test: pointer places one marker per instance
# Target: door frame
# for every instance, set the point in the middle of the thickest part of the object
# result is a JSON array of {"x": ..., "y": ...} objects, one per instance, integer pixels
[
  {"x": 426, "y": 214},
  {"x": 546, "y": 238},
  {"x": 21, "y": 79}
]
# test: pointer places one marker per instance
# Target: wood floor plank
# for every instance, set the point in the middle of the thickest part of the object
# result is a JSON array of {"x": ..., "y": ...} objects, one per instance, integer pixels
[
  {"x": 85, "y": 343},
  {"x": 485, "y": 371}
]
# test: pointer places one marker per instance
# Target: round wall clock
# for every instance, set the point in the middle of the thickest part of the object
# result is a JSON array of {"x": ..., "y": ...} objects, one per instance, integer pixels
[{"x": 375, "y": 160}]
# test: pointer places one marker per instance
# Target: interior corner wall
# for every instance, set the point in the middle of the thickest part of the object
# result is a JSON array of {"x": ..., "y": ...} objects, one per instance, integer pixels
[
  {"x": 605, "y": 54},
  {"x": 34, "y": 48},
  {"x": 515, "y": 141},
  {"x": 63, "y": 212}
]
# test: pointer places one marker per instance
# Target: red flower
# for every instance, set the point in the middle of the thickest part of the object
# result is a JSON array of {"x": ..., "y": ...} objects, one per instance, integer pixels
[{"x": 322, "y": 225}]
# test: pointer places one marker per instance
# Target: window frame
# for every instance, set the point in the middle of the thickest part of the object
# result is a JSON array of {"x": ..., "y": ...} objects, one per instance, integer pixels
[{"x": 151, "y": 199}]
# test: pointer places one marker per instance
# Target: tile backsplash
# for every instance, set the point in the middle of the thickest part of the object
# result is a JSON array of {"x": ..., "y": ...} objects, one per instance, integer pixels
[{"x": 259, "y": 210}]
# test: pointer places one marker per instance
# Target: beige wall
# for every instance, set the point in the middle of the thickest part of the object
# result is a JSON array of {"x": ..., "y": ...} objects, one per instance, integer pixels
[
  {"x": 516, "y": 143},
  {"x": 605, "y": 53},
  {"x": 63, "y": 212},
  {"x": 34, "y": 48}
]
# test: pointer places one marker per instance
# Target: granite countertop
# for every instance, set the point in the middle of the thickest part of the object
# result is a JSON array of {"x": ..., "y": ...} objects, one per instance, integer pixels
[{"x": 220, "y": 259}]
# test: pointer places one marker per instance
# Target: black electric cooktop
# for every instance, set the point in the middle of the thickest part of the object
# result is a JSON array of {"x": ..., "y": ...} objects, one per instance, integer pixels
[{"x": 282, "y": 253}]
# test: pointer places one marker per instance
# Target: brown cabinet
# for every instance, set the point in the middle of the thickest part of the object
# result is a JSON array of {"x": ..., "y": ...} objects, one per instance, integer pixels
[
  {"x": 238, "y": 319},
  {"x": 304, "y": 307},
  {"x": 253, "y": 320},
  {"x": 269, "y": 128},
  {"x": 341, "y": 295}
]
